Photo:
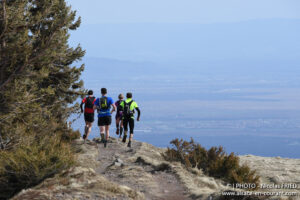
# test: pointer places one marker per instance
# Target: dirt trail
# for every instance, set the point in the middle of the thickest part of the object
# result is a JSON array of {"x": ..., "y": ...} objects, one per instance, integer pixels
[
  {"x": 121, "y": 165},
  {"x": 140, "y": 172}
]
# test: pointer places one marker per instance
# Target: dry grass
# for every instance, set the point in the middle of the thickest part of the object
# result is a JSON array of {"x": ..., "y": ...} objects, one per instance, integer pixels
[{"x": 31, "y": 162}]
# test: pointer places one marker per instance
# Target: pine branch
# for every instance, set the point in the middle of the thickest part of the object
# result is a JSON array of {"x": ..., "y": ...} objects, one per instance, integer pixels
[
  {"x": 21, "y": 68},
  {"x": 41, "y": 52}
]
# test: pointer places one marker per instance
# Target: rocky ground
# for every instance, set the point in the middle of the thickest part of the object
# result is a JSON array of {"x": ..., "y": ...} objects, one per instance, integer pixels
[{"x": 140, "y": 172}]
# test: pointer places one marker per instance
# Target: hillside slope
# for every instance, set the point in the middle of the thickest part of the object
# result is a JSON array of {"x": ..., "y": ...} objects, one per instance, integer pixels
[{"x": 118, "y": 172}]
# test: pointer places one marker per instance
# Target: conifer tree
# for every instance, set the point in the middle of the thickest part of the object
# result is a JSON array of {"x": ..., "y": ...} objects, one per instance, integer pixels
[
  {"x": 35, "y": 64},
  {"x": 38, "y": 86}
]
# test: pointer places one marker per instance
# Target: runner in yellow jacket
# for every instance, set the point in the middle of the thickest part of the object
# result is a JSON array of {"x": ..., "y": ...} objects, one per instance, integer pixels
[{"x": 128, "y": 106}]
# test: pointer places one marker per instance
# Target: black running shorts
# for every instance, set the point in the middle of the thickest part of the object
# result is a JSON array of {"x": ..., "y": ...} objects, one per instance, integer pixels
[
  {"x": 89, "y": 117},
  {"x": 104, "y": 121}
]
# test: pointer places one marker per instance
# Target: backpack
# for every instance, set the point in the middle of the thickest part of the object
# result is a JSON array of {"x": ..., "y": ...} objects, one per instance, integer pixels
[
  {"x": 119, "y": 107},
  {"x": 103, "y": 103},
  {"x": 89, "y": 102},
  {"x": 127, "y": 112}
]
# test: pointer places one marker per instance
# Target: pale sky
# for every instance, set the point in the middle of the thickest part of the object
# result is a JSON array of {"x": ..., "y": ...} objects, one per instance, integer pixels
[
  {"x": 183, "y": 11},
  {"x": 188, "y": 29}
]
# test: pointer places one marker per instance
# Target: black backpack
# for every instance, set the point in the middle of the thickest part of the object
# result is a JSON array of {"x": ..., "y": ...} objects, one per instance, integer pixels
[
  {"x": 103, "y": 103},
  {"x": 119, "y": 107},
  {"x": 89, "y": 102},
  {"x": 127, "y": 112}
]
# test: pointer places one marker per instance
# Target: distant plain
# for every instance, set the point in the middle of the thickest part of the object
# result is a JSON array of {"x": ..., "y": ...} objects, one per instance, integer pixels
[
  {"x": 247, "y": 113},
  {"x": 230, "y": 84}
]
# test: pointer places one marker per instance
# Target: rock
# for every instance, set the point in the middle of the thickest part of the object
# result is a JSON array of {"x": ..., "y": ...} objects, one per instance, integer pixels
[
  {"x": 97, "y": 140},
  {"x": 120, "y": 161},
  {"x": 118, "y": 164}
]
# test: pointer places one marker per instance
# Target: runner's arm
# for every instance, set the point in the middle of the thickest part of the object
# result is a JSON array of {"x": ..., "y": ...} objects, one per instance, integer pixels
[
  {"x": 114, "y": 108},
  {"x": 96, "y": 104},
  {"x": 94, "y": 107},
  {"x": 139, "y": 113},
  {"x": 81, "y": 106}
]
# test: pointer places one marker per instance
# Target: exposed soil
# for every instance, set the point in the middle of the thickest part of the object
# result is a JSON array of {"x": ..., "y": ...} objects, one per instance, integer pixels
[
  {"x": 141, "y": 172},
  {"x": 154, "y": 183}
]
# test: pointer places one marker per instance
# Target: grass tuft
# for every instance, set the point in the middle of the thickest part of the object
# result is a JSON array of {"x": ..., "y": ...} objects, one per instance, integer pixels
[{"x": 31, "y": 162}]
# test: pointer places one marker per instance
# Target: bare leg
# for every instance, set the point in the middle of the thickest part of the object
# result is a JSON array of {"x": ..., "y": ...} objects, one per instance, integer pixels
[
  {"x": 89, "y": 128},
  {"x": 102, "y": 131},
  {"x": 121, "y": 128},
  {"x": 131, "y": 136},
  {"x": 86, "y": 130},
  {"x": 106, "y": 132},
  {"x": 117, "y": 125}
]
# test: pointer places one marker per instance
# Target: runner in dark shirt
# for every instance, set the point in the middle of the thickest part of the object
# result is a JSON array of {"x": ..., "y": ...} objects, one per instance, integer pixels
[
  {"x": 119, "y": 114},
  {"x": 88, "y": 113}
]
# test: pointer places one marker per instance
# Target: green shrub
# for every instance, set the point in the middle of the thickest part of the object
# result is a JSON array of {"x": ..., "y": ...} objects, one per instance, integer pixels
[
  {"x": 214, "y": 162},
  {"x": 39, "y": 84},
  {"x": 31, "y": 162}
]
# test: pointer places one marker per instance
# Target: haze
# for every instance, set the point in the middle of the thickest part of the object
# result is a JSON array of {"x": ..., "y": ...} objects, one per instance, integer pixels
[{"x": 223, "y": 72}]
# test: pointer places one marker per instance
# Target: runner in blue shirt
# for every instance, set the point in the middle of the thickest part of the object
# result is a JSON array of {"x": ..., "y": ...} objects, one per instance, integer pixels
[{"x": 103, "y": 105}]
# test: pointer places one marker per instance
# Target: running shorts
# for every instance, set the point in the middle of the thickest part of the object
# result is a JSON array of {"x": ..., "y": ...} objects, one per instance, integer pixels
[
  {"x": 119, "y": 116},
  {"x": 104, "y": 121},
  {"x": 89, "y": 117}
]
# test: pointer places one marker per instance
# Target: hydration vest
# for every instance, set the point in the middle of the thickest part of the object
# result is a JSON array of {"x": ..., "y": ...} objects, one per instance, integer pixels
[
  {"x": 103, "y": 103},
  {"x": 127, "y": 112},
  {"x": 89, "y": 102},
  {"x": 119, "y": 107}
]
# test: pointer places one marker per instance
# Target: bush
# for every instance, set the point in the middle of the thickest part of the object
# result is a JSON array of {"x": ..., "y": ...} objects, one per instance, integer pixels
[
  {"x": 214, "y": 162},
  {"x": 29, "y": 164},
  {"x": 71, "y": 135}
]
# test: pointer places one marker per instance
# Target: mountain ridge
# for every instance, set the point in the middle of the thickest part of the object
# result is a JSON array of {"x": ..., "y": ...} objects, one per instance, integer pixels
[{"x": 140, "y": 172}]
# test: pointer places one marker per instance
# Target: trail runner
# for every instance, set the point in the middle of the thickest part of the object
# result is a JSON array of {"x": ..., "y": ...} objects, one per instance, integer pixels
[
  {"x": 103, "y": 105},
  {"x": 88, "y": 113},
  {"x": 128, "y": 107}
]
